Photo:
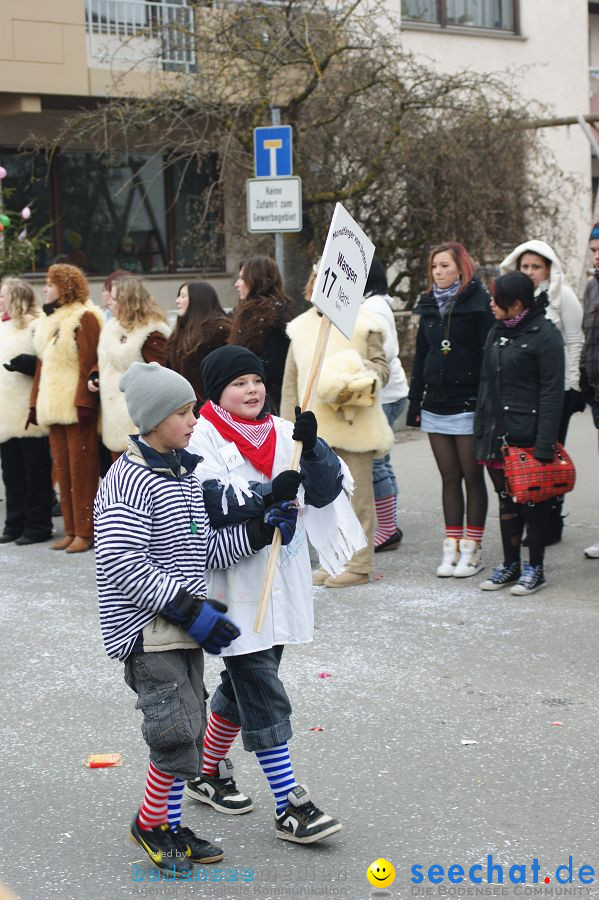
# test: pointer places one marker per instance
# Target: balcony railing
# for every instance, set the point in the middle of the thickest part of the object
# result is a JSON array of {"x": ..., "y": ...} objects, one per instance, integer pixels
[{"x": 145, "y": 33}]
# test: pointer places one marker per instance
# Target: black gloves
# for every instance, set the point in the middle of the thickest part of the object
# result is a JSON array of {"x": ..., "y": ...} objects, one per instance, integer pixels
[
  {"x": 203, "y": 620},
  {"x": 305, "y": 429},
  {"x": 413, "y": 417},
  {"x": 261, "y": 531},
  {"x": 285, "y": 485},
  {"x": 23, "y": 363}
]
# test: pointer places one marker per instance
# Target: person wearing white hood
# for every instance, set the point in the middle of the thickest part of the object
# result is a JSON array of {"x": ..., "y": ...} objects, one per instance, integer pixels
[{"x": 540, "y": 262}]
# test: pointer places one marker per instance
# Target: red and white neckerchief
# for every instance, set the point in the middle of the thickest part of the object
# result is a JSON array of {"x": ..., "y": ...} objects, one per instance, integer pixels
[{"x": 256, "y": 439}]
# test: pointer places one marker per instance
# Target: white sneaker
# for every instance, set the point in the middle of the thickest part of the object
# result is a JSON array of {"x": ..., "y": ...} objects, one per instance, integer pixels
[
  {"x": 470, "y": 561},
  {"x": 592, "y": 552},
  {"x": 450, "y": 558}
]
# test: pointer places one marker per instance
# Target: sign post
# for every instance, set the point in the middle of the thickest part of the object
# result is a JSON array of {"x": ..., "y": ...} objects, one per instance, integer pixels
[{"x": 338, "y": 292}]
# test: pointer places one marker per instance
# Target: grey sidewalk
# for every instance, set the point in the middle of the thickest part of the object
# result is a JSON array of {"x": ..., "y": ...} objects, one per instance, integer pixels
[{"x": 417, "y": 665}]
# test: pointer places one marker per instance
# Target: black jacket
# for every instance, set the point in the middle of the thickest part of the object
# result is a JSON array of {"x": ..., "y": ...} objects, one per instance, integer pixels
[
  {"x": 448, "y": 384},
  {"x": 526, "y": 364}
]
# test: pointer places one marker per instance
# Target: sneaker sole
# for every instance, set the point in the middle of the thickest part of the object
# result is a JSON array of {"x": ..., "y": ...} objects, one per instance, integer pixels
[
  {"x": 178, "y": 873},
  {"x": 524, "y": 593},
  {"x": 591, "y": 555},
  {"x": 474, "y": 571},
  {"x": 311, "y": 838},
  {"x": 496, "y": 587},
  {"x": 202, "y": 798},
  {"x": 206, "y": 860}
]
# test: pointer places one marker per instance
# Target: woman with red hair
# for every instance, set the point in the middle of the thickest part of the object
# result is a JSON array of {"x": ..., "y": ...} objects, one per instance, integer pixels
[
  {"x": 66, "y": 344},
  {"x": 455, "y": 317}
]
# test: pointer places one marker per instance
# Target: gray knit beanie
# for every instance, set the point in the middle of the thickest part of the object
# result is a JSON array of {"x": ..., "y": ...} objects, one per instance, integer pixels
[{"x": 153, "y": 393}]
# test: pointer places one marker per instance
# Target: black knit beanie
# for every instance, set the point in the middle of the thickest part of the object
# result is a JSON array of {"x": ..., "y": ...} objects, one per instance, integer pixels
[{"x": 226, "y": 364}]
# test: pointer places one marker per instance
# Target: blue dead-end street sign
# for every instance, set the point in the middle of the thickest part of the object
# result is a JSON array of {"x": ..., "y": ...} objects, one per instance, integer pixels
[{"x": 273, "y": 151}]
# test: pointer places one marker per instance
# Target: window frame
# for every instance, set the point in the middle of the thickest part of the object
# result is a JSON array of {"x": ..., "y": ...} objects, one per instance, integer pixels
[{"x": 443, "y": 24}]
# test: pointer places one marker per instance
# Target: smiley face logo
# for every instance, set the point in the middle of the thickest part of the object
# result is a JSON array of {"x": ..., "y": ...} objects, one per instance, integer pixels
[{"x": 380, "y": 873}]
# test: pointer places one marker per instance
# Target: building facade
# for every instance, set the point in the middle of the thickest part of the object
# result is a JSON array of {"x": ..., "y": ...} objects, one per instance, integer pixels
[{"x": 125, "y": 210}]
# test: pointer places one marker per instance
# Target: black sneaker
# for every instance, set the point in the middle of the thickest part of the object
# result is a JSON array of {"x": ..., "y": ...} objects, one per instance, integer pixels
[
  {"x": 195, "y": 849},
  {"x": 159, "y": 843},
  {"x": 502, "y": 576},
  {"x": 392, "y": 543},
  {"x": 221, "y": 792},
  {"x": 531, "y": 581},
  {"x": 301, "y": 821}
]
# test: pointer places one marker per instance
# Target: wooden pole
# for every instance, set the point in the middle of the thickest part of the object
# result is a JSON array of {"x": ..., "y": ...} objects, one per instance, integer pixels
[{"x": 275, "y": 547}]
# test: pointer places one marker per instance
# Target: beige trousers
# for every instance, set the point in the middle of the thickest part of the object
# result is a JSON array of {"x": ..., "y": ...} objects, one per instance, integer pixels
[{"x": 360, "y": 466}]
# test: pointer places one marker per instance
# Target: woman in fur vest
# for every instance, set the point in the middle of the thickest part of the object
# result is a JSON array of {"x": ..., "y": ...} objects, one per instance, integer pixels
[
  {"x": 66, "y": 344},
  {"x": 455, "y": 318},
  {"x": 137, "y": 332},
  {"x": 25, "y": 454},
  {"x": 349, "y": 412},
  {"x": 260, "y": 318},
  {"x": 202, "y": 326}
]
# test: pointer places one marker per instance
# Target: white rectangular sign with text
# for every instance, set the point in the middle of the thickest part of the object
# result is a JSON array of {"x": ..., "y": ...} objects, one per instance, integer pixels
[{"x": 343, "y": 271}]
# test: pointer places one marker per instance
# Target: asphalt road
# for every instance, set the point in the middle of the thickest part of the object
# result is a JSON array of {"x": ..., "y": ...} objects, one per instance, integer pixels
[{"x": 418, "y": 666}]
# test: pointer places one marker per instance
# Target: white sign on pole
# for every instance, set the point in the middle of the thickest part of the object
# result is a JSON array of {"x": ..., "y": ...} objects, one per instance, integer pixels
[
  {"x": 343, "y": 271},
  {"x": 274, "y": 204}
]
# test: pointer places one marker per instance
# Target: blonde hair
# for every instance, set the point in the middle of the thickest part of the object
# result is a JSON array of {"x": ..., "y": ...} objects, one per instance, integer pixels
[
  {"x": 309, "y": 289},
  {"x": 22, "y": 303},
  {"x": 136, "y": 306}
]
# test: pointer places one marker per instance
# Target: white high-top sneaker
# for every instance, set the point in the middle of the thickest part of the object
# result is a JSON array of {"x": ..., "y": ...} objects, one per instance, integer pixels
[
  {"x": 470, "y": 561},
  {"x": 450, "y": 558}
]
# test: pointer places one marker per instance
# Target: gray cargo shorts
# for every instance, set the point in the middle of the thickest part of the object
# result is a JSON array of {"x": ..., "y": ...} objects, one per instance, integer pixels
[{"x": 172, "y": 698}]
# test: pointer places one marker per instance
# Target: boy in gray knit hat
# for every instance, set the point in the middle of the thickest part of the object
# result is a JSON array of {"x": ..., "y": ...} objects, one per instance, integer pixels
[{"x": 153, "y": 545}]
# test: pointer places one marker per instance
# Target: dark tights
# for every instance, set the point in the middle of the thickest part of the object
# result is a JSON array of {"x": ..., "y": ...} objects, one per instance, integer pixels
[
  {"x": 512, "y": 519},
  {"x": 454, "y": 455}
]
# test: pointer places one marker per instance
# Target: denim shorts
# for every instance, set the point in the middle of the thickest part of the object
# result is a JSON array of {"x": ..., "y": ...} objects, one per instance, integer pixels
[
  {"x": 172, "y": 697},
  {"x": 252, "y": 695}
]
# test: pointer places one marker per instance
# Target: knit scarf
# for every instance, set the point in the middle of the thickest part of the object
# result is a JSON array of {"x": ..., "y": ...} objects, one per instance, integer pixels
[
  {"x": 445, "y": 297},
  {"x": 511, "y": 323},
  {"x": 256, "y": 439}
]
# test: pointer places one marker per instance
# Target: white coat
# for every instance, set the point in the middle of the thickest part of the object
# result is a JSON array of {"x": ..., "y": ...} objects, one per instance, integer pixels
[
  {"x": 564, "y": 310},
  {"x": 397, "y": 387}
]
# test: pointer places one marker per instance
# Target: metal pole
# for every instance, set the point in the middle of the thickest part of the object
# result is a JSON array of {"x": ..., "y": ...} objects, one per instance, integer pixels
[{"x": 275, "y": 113}]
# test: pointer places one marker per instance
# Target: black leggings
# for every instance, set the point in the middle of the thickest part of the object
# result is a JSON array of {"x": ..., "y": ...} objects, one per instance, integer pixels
[
  {"x": 512, "y": 519},
  {"x": 456, "y": 461}
]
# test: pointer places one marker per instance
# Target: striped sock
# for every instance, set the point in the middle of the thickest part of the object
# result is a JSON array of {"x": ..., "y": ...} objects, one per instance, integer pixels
[
  {"x": 276, "y": 765},
  {"x": 385, "y": 518},
  {"x": 455, "y": 532},
  {"x": 175, "y": 799},
  {"x": 218, "y": 740},
  {"x": 473, "y": 533},
  {"x": 153, "y": 810}
]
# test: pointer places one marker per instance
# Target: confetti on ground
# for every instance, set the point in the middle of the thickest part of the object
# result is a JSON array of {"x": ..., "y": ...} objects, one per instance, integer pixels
[
  {"x": 467, "y": 743},
  {"x": 103, "y": 760},
  {"x": 325, "y": 674},
  {"x": 316, "y": 728},
  {"x": 555, "y": 723},
  {"x": 378, "y": 577}
]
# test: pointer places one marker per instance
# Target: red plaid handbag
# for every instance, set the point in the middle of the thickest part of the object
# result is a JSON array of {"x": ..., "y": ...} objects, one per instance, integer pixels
[{"x": 529, "y": 481}]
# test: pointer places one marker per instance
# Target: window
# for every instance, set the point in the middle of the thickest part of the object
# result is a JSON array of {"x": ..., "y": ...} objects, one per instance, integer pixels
[
  {"x": 118, "y": 210},
  {"x": 497, "y": 15}
]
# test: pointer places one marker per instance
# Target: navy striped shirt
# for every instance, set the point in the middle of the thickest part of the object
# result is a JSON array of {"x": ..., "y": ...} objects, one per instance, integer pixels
[{"x": 146, "y": 550}]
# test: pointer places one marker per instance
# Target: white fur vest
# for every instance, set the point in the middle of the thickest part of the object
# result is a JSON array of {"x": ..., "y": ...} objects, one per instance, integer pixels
[
  {"x": 56, "y": 346},
  {"x": 117, "y": 349},
  {"x": 369, "y": 429},
  {"x": 15, "y": 388}
]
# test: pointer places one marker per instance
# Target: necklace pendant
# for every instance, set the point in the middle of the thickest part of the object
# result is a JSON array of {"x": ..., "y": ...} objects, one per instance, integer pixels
[
  {"x": 193, "y": 527},
  {"x": 445, "y": 347}
]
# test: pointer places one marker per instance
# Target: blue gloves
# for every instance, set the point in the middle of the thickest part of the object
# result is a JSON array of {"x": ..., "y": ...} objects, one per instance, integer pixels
[
  {"x": 211, "y": 629},
  {"x": 284, "y": 517},
  {"x": 202, "y": 619}
]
